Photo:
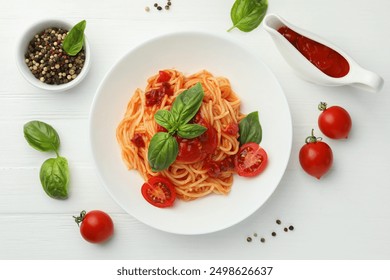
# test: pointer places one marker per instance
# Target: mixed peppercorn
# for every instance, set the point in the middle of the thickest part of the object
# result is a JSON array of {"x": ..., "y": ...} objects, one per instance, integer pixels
[
  {"x": 262, "y": 239},
  {"x": 159, "y": 8},
  {"x": 48, "y": 62}
]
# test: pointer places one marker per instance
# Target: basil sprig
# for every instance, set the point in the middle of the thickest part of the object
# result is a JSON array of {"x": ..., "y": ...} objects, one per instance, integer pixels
[
  {"x": 163, "y": 147},
  {"x": 246, "y": 15},
  {"x": 74, "y": 40},
  {"x": 54, "y": 172},
  {"x": 250, "y": 129}
]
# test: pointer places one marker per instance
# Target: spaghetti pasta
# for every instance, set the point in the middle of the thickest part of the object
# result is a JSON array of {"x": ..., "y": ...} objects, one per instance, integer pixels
[{"x": 220, "y": 109}]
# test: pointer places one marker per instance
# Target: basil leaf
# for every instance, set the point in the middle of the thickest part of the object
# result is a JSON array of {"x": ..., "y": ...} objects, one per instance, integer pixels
[
  {"x": 74, "y": 40},
  {"x": 246, "y": 15},
  {"x": 54, "y": 176},
  {"x": 165, "y": 119},
  {"x": 187, "y": 104},
  {"x": 250, "y": 129},
  {"x": 41, "y": 136},
  {"x": 190, "y": 131},
  {"x": 162, "y": 151}
]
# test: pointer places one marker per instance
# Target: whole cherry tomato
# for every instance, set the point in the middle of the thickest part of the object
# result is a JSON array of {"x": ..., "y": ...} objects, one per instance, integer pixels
[
  {"x": 315, "y": 156},
  {"x": 334, "y": 122},
  {"x": 96, "y": 226}
]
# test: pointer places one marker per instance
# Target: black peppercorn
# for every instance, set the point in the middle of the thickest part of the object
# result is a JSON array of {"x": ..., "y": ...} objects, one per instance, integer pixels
[
  {"x": 156, "y": 5},
  {"x": 249, "y": 239},
  {"x": 291, "y": 228},
  {"x": 159, "y": 8},
  {"x": 278, "y": 222},
  {"x": 273, "y": 233},
  {"x": 262, "y": 240},
  {"x": 286, "y": 229}
]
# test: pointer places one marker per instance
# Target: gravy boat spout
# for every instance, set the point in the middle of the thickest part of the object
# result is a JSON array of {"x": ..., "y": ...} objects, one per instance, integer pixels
[{"x": 356, "y": 76}]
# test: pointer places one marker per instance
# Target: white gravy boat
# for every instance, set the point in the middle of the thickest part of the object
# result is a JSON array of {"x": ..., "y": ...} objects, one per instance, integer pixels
[{"x": 357, "y": 75}]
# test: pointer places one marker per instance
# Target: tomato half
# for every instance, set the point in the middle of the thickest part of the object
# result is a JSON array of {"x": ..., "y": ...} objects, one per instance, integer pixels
[
  {"x": 96, "y": 226},
  {"x": 334, "y": 122},
  {"x": 315, "y": 157},
  {"x": 159, "y": 192},
  {"x": 250, "y": 160}
]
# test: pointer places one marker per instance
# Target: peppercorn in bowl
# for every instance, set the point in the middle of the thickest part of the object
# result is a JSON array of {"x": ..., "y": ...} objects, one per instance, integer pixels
[{"x": 43, "y": 60}]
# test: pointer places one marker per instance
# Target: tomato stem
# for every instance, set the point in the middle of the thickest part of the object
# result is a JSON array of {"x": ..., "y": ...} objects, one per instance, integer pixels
[
  {"x": 312, "y": 138},
  {"x": 80, "y": 218},
  {"x": 322, "y": 106}
]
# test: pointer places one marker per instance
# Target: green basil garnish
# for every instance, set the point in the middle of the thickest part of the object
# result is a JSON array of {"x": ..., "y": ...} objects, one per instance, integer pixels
[
  {"x": 41, "y": 136},
  {"x": 190, "y": 131},
  {"x": 187, "y": 104},
  {"x": 54, "y": 176},
  {"x": 162, "y": 152},
  {"x": 163, "y": 147},
  {"x": 165, "y": 119},
  {"x": 74, "y": 40},
  {"x": 246, "y": 15},
  {"x": 250, "y": 129},
  {"x": 54, "y": 173}
]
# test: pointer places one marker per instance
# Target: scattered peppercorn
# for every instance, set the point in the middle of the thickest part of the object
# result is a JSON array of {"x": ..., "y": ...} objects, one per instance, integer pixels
[
  {"x": 273, "y": 233},
  {"x": 169, "y": 3},
  {"x": 278, "y": 222},
  {"x": 166, "y": 7},
  {"x": 262, "y": 240},
  {"x": 249, "y": 239},
  {"x": 156, "y": 5},
  {"x": 159, "y": 8},
  {"x": 255, "y": 234},
  {"x": 291, "y": 228},
  {"x": 48, "y": 62},
  {"x": 286, "y": 229}
]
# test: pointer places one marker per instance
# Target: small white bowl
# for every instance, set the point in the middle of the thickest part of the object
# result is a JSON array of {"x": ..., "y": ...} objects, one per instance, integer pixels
[{"x": 22, "y": 46}]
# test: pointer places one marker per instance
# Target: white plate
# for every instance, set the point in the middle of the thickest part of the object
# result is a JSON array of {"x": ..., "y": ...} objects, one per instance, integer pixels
[{"x": 189, "y": 53}]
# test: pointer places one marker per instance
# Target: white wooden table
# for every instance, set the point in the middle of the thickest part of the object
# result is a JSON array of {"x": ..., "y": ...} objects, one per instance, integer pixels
[{"x": 345, "y": 215}]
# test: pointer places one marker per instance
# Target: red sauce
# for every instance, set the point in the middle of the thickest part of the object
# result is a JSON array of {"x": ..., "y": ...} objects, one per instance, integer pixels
[
  {"x": 324, "y": 58},
  {"x": 138, "y": 140},
  {"x": 216, "y": 168},
  {"x": 155, "y": 96}
]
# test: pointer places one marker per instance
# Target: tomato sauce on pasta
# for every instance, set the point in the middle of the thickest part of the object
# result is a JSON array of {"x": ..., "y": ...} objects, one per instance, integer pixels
[{"x": 220, "y": 110}]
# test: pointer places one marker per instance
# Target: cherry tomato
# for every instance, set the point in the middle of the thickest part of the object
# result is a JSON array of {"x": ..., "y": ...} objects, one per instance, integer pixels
[
  {"x": 163, "y": 77},
  {"x": 159, "y": 192},
  {"x": 250, "y": 160},
  {"x": 96, "y": 226},
  {"x": 315, "y": 156},
  {"x": 334, "y": 122}
]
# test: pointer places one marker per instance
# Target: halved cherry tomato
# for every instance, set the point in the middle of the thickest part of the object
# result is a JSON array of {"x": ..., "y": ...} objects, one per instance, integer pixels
[
  {"x": 159, "y": 192},
  {"x": 163, "y": 77},
  {"x": 250, "y": 160},
  {"x": 334, "y": 122}
]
